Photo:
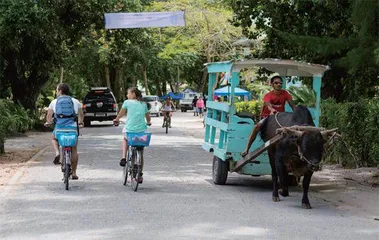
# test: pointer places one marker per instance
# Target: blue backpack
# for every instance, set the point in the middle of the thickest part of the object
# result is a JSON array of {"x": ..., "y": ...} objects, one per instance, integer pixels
[{"x": 65, "y": 111}]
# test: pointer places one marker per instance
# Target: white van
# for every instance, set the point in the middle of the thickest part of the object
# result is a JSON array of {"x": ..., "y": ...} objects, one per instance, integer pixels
[
  {"x": 186, "y": 102},
  {"x": 153, "y": 104}
]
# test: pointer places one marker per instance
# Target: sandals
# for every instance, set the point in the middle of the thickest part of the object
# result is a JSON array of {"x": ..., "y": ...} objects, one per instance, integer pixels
[
  {"x": 74, "y": 177},
  {"x": 123, "y": 162},
  {"x": 56, "y": 160}
]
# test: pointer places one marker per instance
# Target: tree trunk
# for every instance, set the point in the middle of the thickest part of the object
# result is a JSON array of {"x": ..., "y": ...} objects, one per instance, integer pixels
[
  {"x": 134, "y": 81},
  {"x": 164, "y": 87},
  {"x": 2, "y": 150},
  {"x": 117, "y": 84},
  {"x": 159, "y": 89},
  {"x": 61, "y": 75},
  {"x": 144, "y": 72},
  {"x": 107, "y": 76},
  {"x": 172, "y": 87},
  {"x": 25, "y": 90},
  {"x": 204, "y": 80}
]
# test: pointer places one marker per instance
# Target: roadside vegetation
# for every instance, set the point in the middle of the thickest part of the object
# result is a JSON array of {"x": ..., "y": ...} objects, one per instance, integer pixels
[{"x": 43, "y": 44}]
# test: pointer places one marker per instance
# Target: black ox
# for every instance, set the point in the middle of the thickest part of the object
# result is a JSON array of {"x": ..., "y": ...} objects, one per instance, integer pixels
[{"x": 299, "y": 152}]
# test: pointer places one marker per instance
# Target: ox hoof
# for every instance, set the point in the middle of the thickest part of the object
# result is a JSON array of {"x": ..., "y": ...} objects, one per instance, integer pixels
[
  {"x": 306, "y": 206},
  {"x": 283, "y": 192},
  {"x": 275, "y": 199}
]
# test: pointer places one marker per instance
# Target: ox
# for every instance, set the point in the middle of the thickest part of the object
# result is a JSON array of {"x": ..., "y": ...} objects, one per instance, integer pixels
[{"x": 299, "y": 151}]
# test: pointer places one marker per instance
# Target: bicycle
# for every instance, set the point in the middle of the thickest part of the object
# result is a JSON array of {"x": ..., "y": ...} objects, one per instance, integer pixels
[
  {"x": 134, "y": 164},
  {"x": 67, "y": 138},
  {"x": 167, "y": 120}
]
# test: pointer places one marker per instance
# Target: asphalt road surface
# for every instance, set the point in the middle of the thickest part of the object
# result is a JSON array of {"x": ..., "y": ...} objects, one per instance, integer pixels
[{"x": 177, "y": 199}]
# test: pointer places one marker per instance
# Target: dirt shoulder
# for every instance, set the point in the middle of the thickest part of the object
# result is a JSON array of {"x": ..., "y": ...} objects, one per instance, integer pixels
[
  {"x": 352, "y": 190},
  {"x": 18, "y": 151}
]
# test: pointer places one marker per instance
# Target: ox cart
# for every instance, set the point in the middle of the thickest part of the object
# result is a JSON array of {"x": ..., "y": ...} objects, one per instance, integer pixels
[{"x": 227, "y": 133}]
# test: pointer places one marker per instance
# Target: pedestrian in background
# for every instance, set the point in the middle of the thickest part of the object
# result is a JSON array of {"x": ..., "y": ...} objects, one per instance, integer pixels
[
  {"x": 200, "y": 106},
  {"x": 194, "y": 101}
]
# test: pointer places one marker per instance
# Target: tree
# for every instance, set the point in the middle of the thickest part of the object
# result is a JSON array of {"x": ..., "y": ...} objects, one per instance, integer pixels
[
  {"x": 207, "y": 37},
  {"x": 342, "y": 34}
]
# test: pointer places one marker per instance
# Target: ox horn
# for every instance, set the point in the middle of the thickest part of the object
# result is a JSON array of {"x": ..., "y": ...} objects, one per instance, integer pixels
[
  {"x": 327, "y": 133},
  {"x": 295, "y": 132},
  {"x": 290, "y": 131}
]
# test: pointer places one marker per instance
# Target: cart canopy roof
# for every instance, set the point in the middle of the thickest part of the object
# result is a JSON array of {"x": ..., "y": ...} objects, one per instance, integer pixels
[
  {"x": 225, "y": 91},
  {"x": 283, "y": 67}
]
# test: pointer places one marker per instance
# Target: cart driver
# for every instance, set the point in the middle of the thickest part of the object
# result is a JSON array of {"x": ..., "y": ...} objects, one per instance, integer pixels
[{"x": 274, "y": 102}]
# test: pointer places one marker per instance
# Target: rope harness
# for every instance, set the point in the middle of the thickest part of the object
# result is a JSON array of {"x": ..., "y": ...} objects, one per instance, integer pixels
[{"x": 299, "y": 152}]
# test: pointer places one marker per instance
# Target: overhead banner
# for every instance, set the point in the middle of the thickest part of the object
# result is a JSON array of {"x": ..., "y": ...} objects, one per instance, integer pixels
[{"x": 144, "y": 20}]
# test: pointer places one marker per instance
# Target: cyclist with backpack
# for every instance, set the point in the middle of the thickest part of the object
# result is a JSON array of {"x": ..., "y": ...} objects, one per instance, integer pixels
[{"x": 67, "y": 113}]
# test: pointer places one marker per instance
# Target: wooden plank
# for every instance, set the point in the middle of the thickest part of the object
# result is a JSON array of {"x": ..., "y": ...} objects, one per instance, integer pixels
[
  {"x": 221, "y": 106},
  {"x": 216, "y": 124},
  {"x": 251, "y": 156}
]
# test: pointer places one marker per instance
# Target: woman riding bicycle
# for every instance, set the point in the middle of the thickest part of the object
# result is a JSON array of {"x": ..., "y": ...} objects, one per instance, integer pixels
[
  {"x": 167, "y": 109},
  {"x": 136, "y": 112}
]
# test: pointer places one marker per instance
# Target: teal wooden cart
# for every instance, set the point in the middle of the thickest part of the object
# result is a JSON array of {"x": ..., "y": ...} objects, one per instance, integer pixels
[{"x": 226, "y": 134}]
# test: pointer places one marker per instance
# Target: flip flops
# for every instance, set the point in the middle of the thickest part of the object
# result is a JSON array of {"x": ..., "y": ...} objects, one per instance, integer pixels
[{"x": 56, "y": 160}]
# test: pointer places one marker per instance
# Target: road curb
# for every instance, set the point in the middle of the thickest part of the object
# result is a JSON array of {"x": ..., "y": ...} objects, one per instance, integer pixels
[{"x": 19, "y": 172}]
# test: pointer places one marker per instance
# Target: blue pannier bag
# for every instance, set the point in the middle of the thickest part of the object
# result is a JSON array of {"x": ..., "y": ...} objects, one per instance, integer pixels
[{"x": 65, "y": 111}]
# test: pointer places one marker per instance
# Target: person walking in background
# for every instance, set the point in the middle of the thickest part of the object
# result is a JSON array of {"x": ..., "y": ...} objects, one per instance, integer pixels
[
  {"x": 200, "y": 106},
  {"x": 194, "y": 106}
]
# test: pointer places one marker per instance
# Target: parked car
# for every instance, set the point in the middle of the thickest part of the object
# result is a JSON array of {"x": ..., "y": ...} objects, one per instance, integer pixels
[
  {"x": 153, "y": 104},
  {"x": 99, "y": 105}
]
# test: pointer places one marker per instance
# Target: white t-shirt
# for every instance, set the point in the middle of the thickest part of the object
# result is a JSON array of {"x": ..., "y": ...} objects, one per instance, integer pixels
[{"x": 76, "y": 103}]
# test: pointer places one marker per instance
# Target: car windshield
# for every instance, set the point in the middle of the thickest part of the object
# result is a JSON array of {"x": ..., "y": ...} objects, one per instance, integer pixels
[
  {"x": 95, "y": 97},
  {"x": 149, "y": 99}
]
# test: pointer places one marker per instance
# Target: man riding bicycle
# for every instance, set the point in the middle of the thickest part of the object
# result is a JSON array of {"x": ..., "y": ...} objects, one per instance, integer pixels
[
  {"x": 167, "y": 109},
  {"x": 63, "y": 101}
]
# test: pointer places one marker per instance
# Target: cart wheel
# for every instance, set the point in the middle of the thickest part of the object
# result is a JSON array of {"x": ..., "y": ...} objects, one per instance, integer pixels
[
  {"x": 293, "y": 180},
  {"x": 219, "y": 171}
]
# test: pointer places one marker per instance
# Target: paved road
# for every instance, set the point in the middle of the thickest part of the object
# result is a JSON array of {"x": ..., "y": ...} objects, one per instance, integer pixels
[{"x": 176, "y": 201}]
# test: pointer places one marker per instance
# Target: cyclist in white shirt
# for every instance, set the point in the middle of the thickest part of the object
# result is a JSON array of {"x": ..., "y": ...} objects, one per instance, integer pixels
[
  {"x": 63, "y": 90},
  {"x": 167, "y": 108}
]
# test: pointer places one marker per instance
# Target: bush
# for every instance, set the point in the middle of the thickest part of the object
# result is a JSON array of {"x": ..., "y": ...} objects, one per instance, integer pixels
[
  {"x": 358, "y": 123},
  {"x": 13, "y": 118},
  {"x": 303, "y": 95},
  {"x": 253, "y": 107}
]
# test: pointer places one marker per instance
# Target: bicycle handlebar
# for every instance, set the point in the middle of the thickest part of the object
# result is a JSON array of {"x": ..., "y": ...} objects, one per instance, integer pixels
[{"x": 116, "y": 123}]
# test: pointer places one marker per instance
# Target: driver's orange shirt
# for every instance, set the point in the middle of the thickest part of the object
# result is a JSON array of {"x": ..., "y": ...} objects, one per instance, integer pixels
[{"x": 277, "y": 101}]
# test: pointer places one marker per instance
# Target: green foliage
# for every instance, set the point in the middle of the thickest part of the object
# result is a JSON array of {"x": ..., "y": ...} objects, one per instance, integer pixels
[
  {"x": 342, "y": 34},
  {"x": 358, "y": 123},
  {"x": 14, "y": 118},
  {"x": 303, "y": 95},
  {"x": 253, "y": 107},
  {"x": 259, "y": 89}
]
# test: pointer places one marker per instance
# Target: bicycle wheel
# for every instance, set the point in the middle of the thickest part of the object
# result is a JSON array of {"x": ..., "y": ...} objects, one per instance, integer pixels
[
  {"x": 126, "y": 169},
  {"x": 67, "y": 168},
  {"x": 135, "y": 171},
  {"x": 167, "y": 123},
  {"x": 67, "y": 175},
  {"x": 137, "y": 175}
]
